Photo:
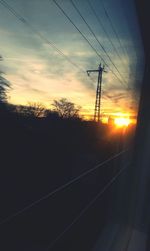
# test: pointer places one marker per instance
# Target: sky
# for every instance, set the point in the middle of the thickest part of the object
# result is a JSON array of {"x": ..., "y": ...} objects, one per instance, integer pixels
[{"x": 33, "y": 31}]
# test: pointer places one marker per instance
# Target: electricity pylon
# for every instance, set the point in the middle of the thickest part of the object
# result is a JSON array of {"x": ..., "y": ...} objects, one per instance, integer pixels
[{"x": 100, "y": 71}]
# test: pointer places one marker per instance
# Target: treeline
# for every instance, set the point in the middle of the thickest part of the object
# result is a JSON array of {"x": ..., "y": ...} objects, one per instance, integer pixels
[{"x": 61, "y": 108}]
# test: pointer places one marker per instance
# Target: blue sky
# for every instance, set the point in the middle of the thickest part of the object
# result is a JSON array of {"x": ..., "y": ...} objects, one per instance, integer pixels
[{"x": 39, "y": 74}]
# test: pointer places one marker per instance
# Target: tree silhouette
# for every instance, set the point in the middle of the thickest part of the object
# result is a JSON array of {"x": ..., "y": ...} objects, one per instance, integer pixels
[
  {"x": 36, "y": 109},
  {"x": 32, "y": 110},
  {"x": 4, "y": 86},
  {"x": 66, "y": 109}
]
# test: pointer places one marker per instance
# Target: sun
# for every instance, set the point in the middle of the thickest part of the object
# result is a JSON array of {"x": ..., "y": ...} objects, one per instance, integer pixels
[{"x": 121, "y": 121}]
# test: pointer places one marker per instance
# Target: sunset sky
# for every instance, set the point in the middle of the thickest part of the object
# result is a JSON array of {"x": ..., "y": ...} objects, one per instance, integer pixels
[{"x": 38, "y": 73}]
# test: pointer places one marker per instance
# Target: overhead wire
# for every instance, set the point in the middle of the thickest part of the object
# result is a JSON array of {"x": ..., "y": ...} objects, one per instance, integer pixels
[
  {"x": 26, "y": 22},
  {"x": 86, "y": 39},
  {"x": 104, "y": 29},
  {"x": 66, "y": 15},
  {"x": 23, "y": 20},
  {"x": 60, "y": 188},
  {"x": 93, "y": 33},
  {"x": 50, "y": 43},
  {"x": 42, "y": 37},
  {"x": 98, "y": 196},
  {"x": 113, "y": 27}
]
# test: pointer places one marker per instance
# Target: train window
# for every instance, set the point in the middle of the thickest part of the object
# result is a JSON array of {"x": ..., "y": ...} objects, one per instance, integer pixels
[{"x": 74, "y": 125}]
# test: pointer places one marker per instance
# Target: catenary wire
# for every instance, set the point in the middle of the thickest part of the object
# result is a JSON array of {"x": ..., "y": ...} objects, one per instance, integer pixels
[
  {"x": 103, "y": 27},
  {"x": 51, "y": 44},
  {"x": 66, "y": 15},
  {"x": 23, "y": 20},
  {"x": 93, "y": 48},
  {"x": 93, "y": 33},
  {"x": 113, "y": 28},
  {"x": 26, "y": 22}
]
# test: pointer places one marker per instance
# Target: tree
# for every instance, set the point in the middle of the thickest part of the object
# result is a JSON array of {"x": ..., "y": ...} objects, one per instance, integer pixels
[
  {"x": 66, "y": 109},
  {"x": 32, "y": 110},
  {"x": 36, "y": 109},
  {"x": 4, "y": 86}
]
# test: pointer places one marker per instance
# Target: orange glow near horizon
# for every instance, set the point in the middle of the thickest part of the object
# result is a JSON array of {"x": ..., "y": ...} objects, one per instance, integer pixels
[{"x": 121, "y": 121}]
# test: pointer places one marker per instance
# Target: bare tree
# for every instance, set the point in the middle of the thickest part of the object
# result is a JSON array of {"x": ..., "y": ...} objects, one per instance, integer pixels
[
  {"x": 65, "y": 108},
  {"x": 37, "y": 109},
  {"x": 32, "y": 110}
]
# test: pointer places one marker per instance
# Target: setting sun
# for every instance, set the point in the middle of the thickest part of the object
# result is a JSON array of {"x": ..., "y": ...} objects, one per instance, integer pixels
[{"x": 122, "y": 121}]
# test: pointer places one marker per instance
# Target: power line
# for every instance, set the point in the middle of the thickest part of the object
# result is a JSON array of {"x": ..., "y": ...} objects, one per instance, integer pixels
[
  {"x": 113, "y": 28},
  {"x": 50, "y": 43},
  {"x": 69, "y": 183},
  {"x": 103, "y": 27},
  {"x": 26, "y": 22},
  {"x": 65, "y": 14},
  {"x": 88, "y": 206},
  {"x": 93, "y": 48},
  {"x": 93, "y": 33}
]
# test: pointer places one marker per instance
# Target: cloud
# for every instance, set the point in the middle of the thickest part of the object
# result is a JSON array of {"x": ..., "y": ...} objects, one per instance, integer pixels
[
  {"x": 116, "y": 97},
  {"x": 38, "y": 72}
]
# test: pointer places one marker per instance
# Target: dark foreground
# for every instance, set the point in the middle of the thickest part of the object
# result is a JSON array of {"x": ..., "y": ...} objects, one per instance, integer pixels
[{"x": 39, "y": 155}]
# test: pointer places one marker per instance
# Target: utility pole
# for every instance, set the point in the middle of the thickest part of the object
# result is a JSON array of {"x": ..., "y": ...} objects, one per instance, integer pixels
[{"x": 98, "y": 92}]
